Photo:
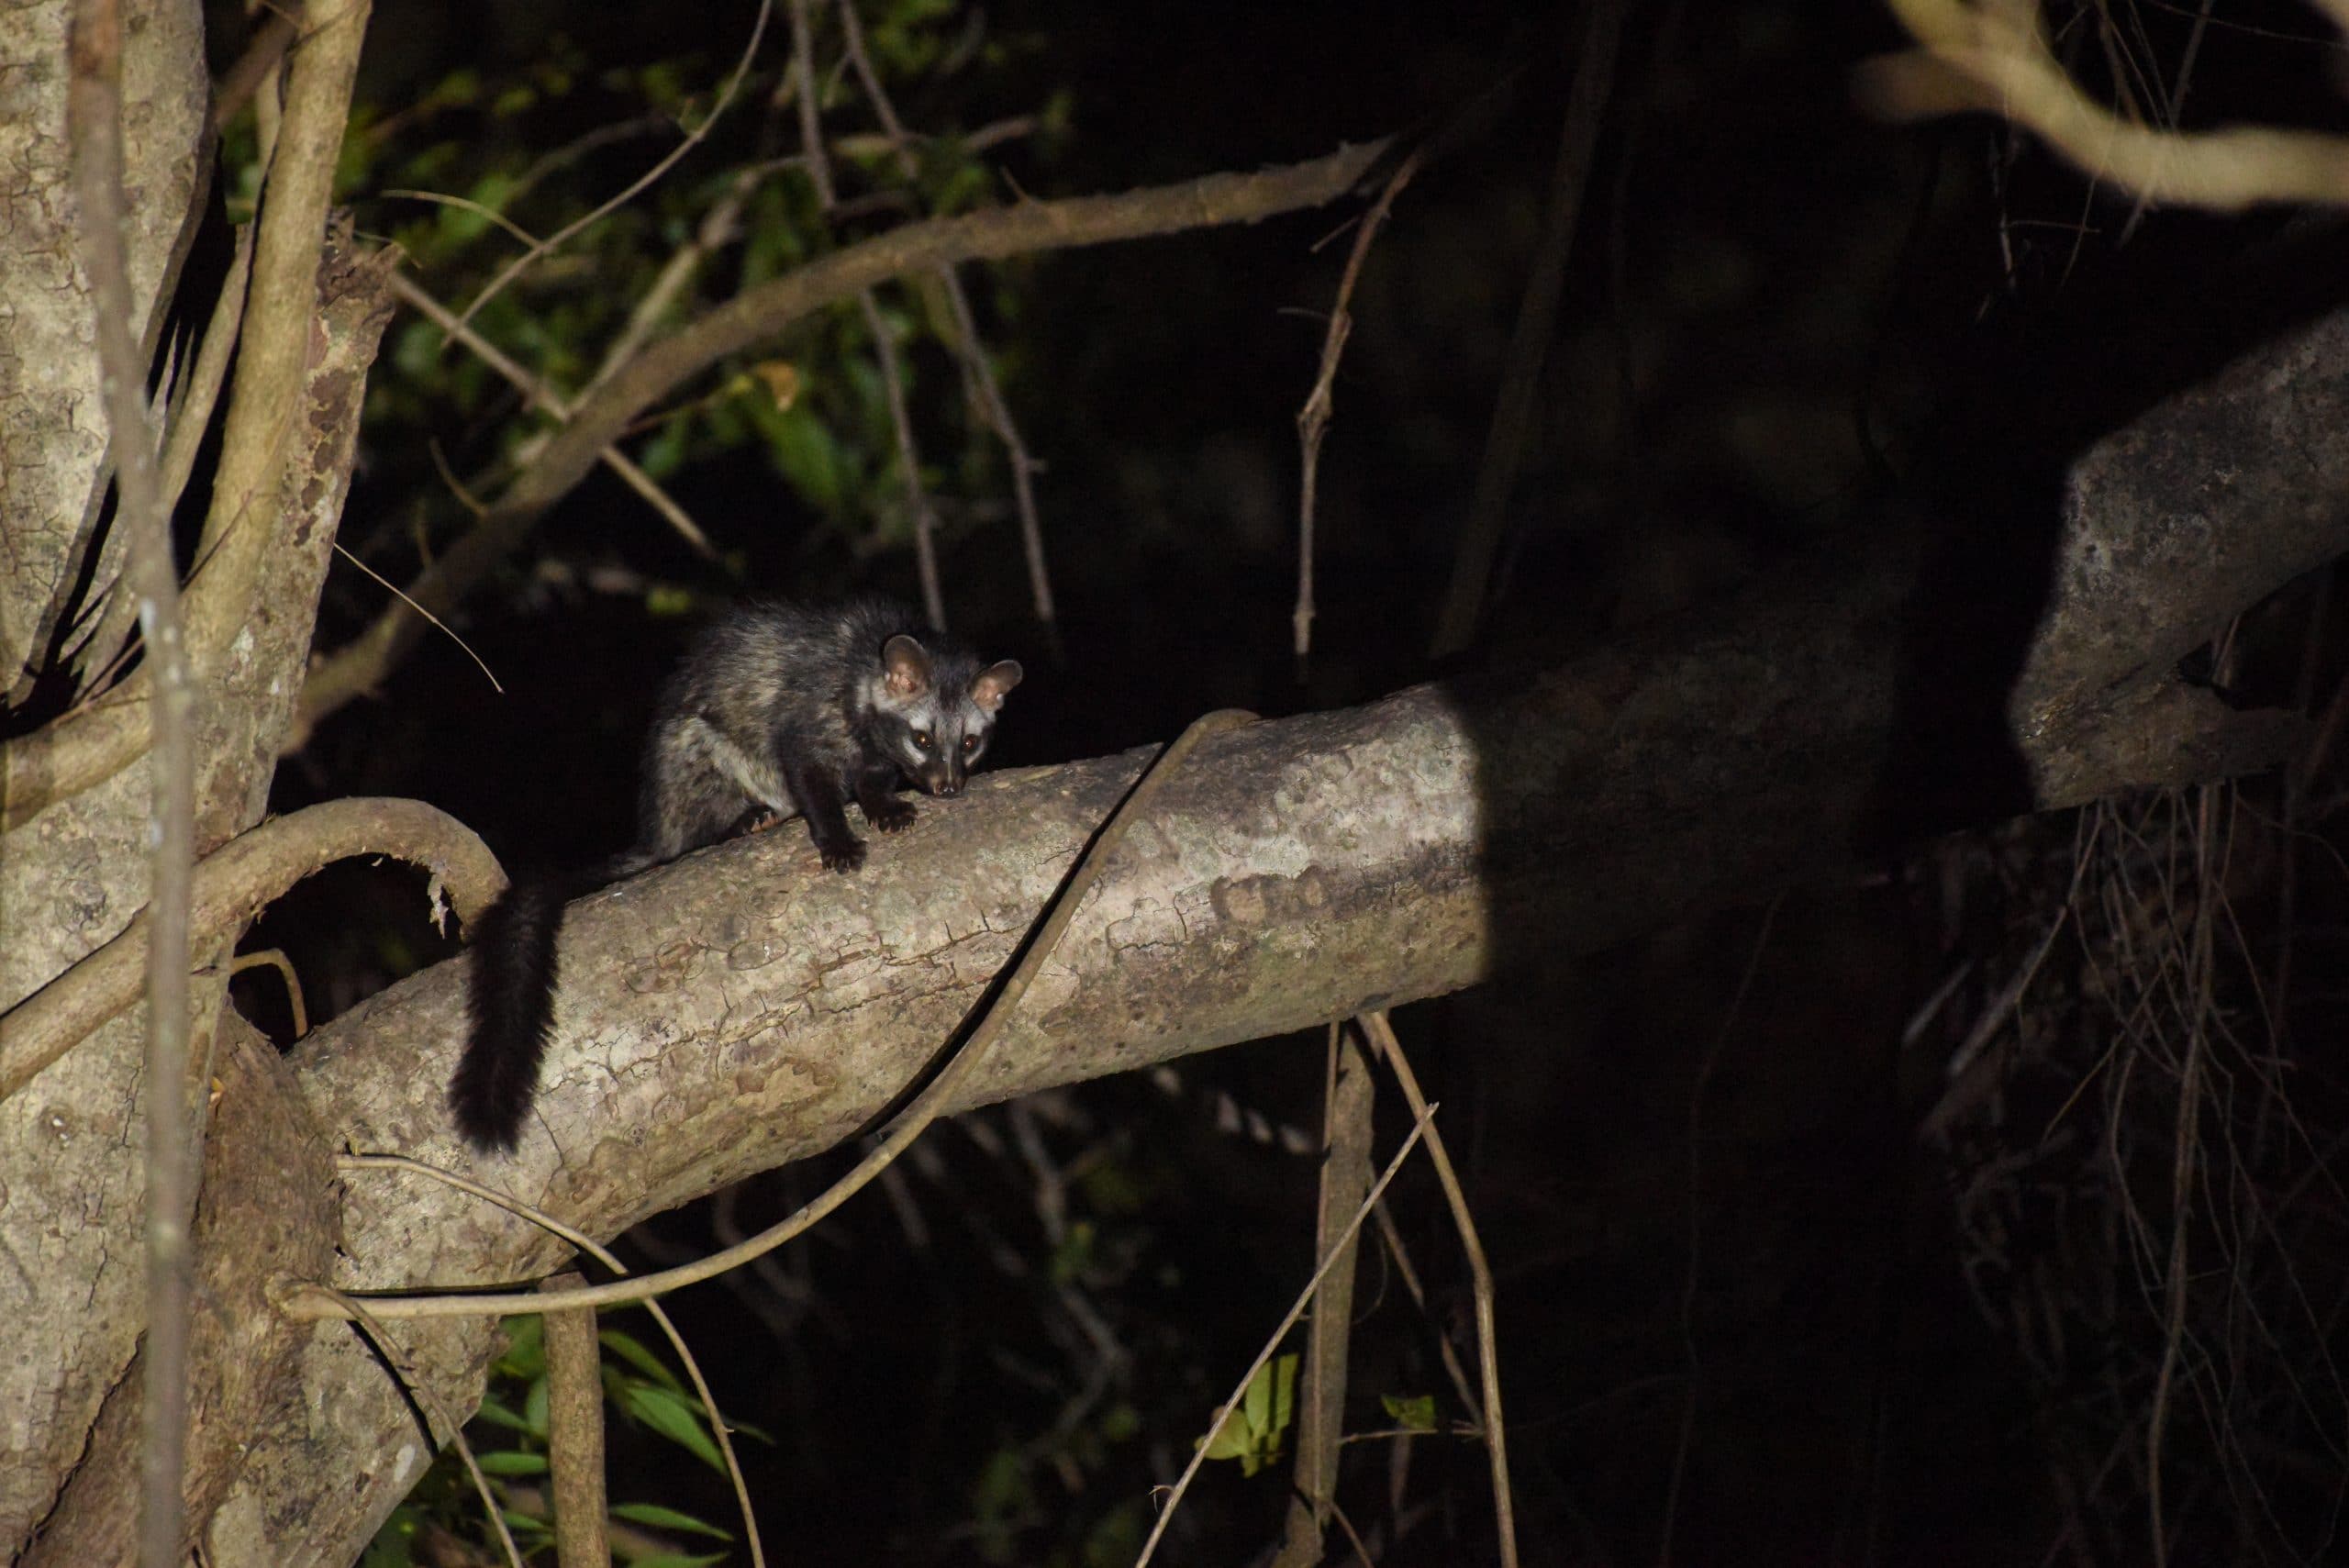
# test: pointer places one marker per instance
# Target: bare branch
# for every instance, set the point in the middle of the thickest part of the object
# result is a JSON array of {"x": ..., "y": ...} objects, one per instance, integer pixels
[
  {"x": 1347, "y": 1101},
  {"x": 538, "y": 394},
  {"x": 1472, "y": 566},
  {"x": 1313, "y": 419},
  {"x": 232, "y": 885},
  {"x": 1989, "y": 57},
  {"x": 978, "y": 370},
  {"x": 884, "y": 344},
  {"x": 643, "y": 181}
]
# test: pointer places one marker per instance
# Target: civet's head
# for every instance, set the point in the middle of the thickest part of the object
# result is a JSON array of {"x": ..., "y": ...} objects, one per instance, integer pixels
[{"x": 936, "y": 711}]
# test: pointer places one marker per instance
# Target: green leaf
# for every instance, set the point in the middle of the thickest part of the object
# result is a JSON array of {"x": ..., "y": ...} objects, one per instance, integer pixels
[
  {"x": 665, "y": 452},
  {"x": 525, "y": 1347},
  {"x": 1073, "y": 1256},
  {"x": 675, "y": 1419},
  {"x": 511, "y": 1462},
  {"x": 499, "y": 1414},
  {"x": 632, "y": 1351},
  {"x": 534, "y": 1406},
  {"x": 809, "y": 457},
  {"x": 1115, "y": 1538},
  {"x": 1416, "y": 1411},
  {"x": 659, "y": 1518},
  {"x": 394, "y": 1542},
  {"x": 1252, "y": 1432}
]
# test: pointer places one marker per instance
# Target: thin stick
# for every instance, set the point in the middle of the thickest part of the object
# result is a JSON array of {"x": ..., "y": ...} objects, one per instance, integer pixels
[
  {"x": 310, "y": 1303},
  {"x": 1472, "y": 568},
  {"x": 1346, "y": 1100},
  {"x": 94, "y": 113},
  {"x": 1480, "y": 1275},
  {"x": 275, "y": 957},
  {"x": 1296, "y": 1310},
  {"x": 443, "y": 626},
  {"x": 1695, "y": 1228},
  {"x": 1313, "y": 419},
  {"x": 2183, "y": 1164},
  {"x": 885, "y": 344},
  {"x": 605, "y": 1256},
  {"x": 575, "y": 1428},
  {"x": 539, "y": 394},
  {"x": 693, "y": 138},
  {"x": 977, "y": 369},
  {"x": 918, "y": 512},
  {"x": 398, "y": 1361}
]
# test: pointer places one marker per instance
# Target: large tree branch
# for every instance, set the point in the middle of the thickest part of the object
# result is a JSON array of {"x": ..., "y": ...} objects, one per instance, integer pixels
[
  {"x": 756, "y": 1011},
  {"x": 761, "y": 313}
]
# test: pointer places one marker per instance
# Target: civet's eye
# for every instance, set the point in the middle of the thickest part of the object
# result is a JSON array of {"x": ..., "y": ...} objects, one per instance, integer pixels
[
  {"x": 970, "y": 743},
  {"x": 921, "y": 739}
]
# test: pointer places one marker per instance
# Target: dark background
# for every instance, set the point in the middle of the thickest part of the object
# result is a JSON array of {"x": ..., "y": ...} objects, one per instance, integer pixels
[{"x": 1746, "y": 1314}]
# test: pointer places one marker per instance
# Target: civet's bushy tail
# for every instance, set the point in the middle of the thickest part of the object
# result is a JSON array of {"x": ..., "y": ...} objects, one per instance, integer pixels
[{"x": 510, "y": 1002}]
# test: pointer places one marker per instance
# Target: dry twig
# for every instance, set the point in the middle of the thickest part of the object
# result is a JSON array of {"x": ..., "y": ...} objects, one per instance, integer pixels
[
  {"x": 1480, "y": 1279},
  {"x": 1471, "y": 567},
  {"x": 1987, "y": 56},
  {"x": 1313, "y": 419},
  {"x": 1272, "y": 1342},
  {"x": 94, "y": 117},
  {"x": 604, "y": 1255},
  {"x": 978, "y": 370},
  {"x": 232, "y": 885}
]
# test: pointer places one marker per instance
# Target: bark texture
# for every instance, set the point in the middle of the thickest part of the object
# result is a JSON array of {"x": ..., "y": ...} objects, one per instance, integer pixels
[
  {"x": 71, "y": 877},
  {"x": 54, "y": 466},
  {"x": 266, "y": 1211}
]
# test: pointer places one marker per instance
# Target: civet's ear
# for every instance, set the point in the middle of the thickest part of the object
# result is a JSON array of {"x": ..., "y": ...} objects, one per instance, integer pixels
[
  {"x": 994, "y": 680},
  {"x": 906, "y": 664}
]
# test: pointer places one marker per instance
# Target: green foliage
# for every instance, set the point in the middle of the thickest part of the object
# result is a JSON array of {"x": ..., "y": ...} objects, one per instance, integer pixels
[
  {"x": 637, "y": 1385},
  {"x": 463, "y": 163},
  {"x": 1251, "y": 1431},
  {"x": 1414, "y": 1412}
]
